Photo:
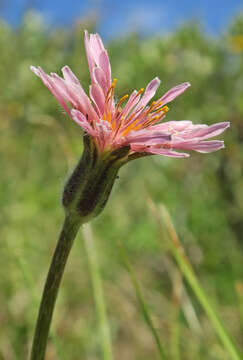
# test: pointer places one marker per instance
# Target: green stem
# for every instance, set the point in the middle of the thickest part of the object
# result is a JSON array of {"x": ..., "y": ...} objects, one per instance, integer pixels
[
  {"x": 190, "y": 276},
  {"x": 142, "y": 302},
  {"x": 70, "y": 228},
  {"x": 98, "y": 293},
  {"x": 30, "y": 284}
]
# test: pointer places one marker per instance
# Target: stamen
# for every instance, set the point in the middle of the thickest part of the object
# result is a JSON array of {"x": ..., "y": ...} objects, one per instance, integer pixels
[
  {"x": 122, "y": 100},
  {"x": 113, "y": 84},
  {"x": 151, "y": 107},
  {"x": 154, "y": 118},
  {"x": 159, "y": 104},
  {"x": 129, "y": 128},
  {"x": 108, "y": 101},
  {"x": 151, "y": 121},
  {"x": 162, "y": 111},
  {"x": 116, "y": 129},
  {"x": 111, "y": 89},
  {"x": 117, "y": 109},
  {"x": 165, "y": 109},
  {"x": 140, "y": 92},
  {"x": 157, "y": 111}
]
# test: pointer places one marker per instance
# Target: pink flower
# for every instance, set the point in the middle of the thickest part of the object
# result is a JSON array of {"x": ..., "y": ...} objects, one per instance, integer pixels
[{"x": 131, "y": 121}]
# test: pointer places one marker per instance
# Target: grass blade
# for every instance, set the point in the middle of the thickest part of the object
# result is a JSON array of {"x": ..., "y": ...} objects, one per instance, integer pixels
[
  {"x": 186, "y": 269},
  {"x": 98, "y": 292},
  {"x": 142, "y": 302}
]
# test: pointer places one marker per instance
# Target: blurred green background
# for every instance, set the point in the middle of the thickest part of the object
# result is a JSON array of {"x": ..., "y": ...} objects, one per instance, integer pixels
[{"x": 39, "y": 147}]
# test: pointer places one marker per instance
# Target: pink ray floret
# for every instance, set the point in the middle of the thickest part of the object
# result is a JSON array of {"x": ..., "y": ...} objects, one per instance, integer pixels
[{"x": 131, "y": 121}]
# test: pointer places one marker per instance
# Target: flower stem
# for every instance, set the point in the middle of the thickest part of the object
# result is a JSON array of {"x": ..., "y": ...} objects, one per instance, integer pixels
[
  {"x": 70, "y": 228},
  {"x": 98, "y": 292},
  {"x": 35, "y": 300},
  {"x": 190, "y": 276}
]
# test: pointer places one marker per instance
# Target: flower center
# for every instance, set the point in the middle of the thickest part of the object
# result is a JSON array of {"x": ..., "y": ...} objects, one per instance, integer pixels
[{"x": 136, "y": 118}]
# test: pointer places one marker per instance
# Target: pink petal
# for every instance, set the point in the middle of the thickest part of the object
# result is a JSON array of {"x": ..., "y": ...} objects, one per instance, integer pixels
[
  {"x": 35, "y": 70},
  {"x": 69, "y": 75},
  {"x": 89, "y": 53},
  {"x": 204, "y": 132},
  {"x": 96, "y": 46},
  {"x": 66, "y": 90},
  {"x": 97, "y": 55},
  {"x": 50, "y": 84},
  {"x": 172, "y": 125},
  {"x": 76, "y": 96},
  {"x": 132, "y": 101},
  {"x": 104, "y": 63},
  {"x": 149, "y": 92},
  {"x": 98, "y": 98},
  {"x": 158, "y": 151},
  {"x": 200, "y": 146},
  {"x": 100, "y": 78},
  {"x": 167, "y": 152},
  {"x": 173, "y": 93},
  {"x": 100, "y": 42},
  {"x": 81, "y": 120},
  {"x": 148, "y": 138}
]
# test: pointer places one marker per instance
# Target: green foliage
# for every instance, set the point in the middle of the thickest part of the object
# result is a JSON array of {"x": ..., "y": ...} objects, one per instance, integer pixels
[{"x": 39, "y": 147}]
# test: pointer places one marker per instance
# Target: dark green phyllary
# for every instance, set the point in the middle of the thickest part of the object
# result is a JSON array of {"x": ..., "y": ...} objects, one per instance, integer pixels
[{"x": 91, "y": 182}]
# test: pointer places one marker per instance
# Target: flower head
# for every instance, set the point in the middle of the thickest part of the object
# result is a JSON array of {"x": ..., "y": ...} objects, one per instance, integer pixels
[{"x": 131, "y": 121}]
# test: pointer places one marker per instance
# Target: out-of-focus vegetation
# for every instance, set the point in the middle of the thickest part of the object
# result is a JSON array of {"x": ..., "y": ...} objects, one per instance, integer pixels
[{"x": 40, "y": 145}]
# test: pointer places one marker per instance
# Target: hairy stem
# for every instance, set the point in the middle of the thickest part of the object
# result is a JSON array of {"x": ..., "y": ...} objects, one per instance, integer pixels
[{"x": 70, "y": 228}]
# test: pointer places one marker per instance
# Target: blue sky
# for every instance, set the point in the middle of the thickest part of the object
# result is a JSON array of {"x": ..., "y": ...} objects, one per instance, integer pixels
[{"x": 118, "y": 17}]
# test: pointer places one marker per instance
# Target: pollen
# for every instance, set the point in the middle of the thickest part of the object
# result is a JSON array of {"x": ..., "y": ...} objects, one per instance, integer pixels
[
  {"x": 152, "y": 106},
  {"x": 114, "y": 82},
  {"x": 122, "y": 99},
  {"x": 159, "y": 103},
  {"x": 165, "y": 109},
  {"x": 140, "y": 91}
]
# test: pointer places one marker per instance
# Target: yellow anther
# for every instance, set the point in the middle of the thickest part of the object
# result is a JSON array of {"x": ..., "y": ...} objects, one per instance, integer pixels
[
  {"x": 151, "y": 107},
  {"x": 157, "y": 111},
  {"x": 123, "y": 98},
  {"x": 110, "y": 91},
  {"x": 165, "y": 109},
  {"x": 114, "y": 82},
  {"x": 140, "y": 91},
  {"x": 148, "y": 122}
]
